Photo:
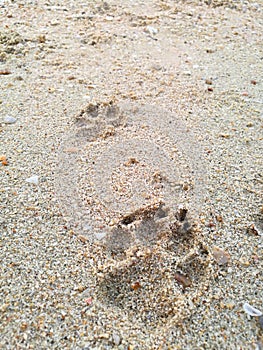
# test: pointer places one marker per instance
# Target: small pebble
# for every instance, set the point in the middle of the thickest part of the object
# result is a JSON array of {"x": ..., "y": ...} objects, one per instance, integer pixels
[
  {"x": 88, "y": 301},
  {"x": 136, "y": 286},
  {"x": 3, "y": 161},
  {"x": 9, "y": 120},
  {"x": 109, "y": 18},
  {"x": 251, "y": 311},
  {"x": 104, "y": 336},
  {"x": 32, "y": 180},
  {"x": 82, "y": 238},
  {"x": 81, "y": 288},
  {"x": 219, "y": 218},
  {"x": 183, "y": 280},
  {"x": 221, "y": 256},
  {"x": 116, "y": 339},
  {"x": 5, "y": 72},
  {"x": 253, "y": 230},
  {"x": 209, "y": 50},
  {"x": 41, "y": 39},
  {"x": 151, "y": 30},
  {"x": 208, "y": 82}
]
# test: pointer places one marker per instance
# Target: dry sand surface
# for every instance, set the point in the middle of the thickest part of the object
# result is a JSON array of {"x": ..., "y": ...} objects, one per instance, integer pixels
[{"x": 131, "y": 158}]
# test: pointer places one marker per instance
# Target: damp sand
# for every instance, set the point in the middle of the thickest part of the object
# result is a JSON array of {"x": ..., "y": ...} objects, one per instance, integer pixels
[{"x": 195, "y": 64}]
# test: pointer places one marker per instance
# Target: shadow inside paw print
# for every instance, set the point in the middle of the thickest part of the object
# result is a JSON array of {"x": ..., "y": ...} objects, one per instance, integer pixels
[
  {"x": 95, "y": 119},
  {"x": 157, "y": 285}
]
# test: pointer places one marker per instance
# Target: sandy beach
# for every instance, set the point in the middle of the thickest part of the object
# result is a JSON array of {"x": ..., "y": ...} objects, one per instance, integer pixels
[{"x": 131, "y": 172}]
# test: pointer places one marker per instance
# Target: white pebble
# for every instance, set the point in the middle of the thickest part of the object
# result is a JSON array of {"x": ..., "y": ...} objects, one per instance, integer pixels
[
  {"x": 116, "y": 339},
  {"x": 109, "y": 18},
  {"x": 33, "y": 180},
  {"x": 8, "y": 119},
  {"x": 251, "y": 311},
  {"x": 151, "y": 30}
]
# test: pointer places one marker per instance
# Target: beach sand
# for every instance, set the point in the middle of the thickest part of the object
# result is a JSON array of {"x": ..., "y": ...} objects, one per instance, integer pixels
[{"x": 131, "y": 158}]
